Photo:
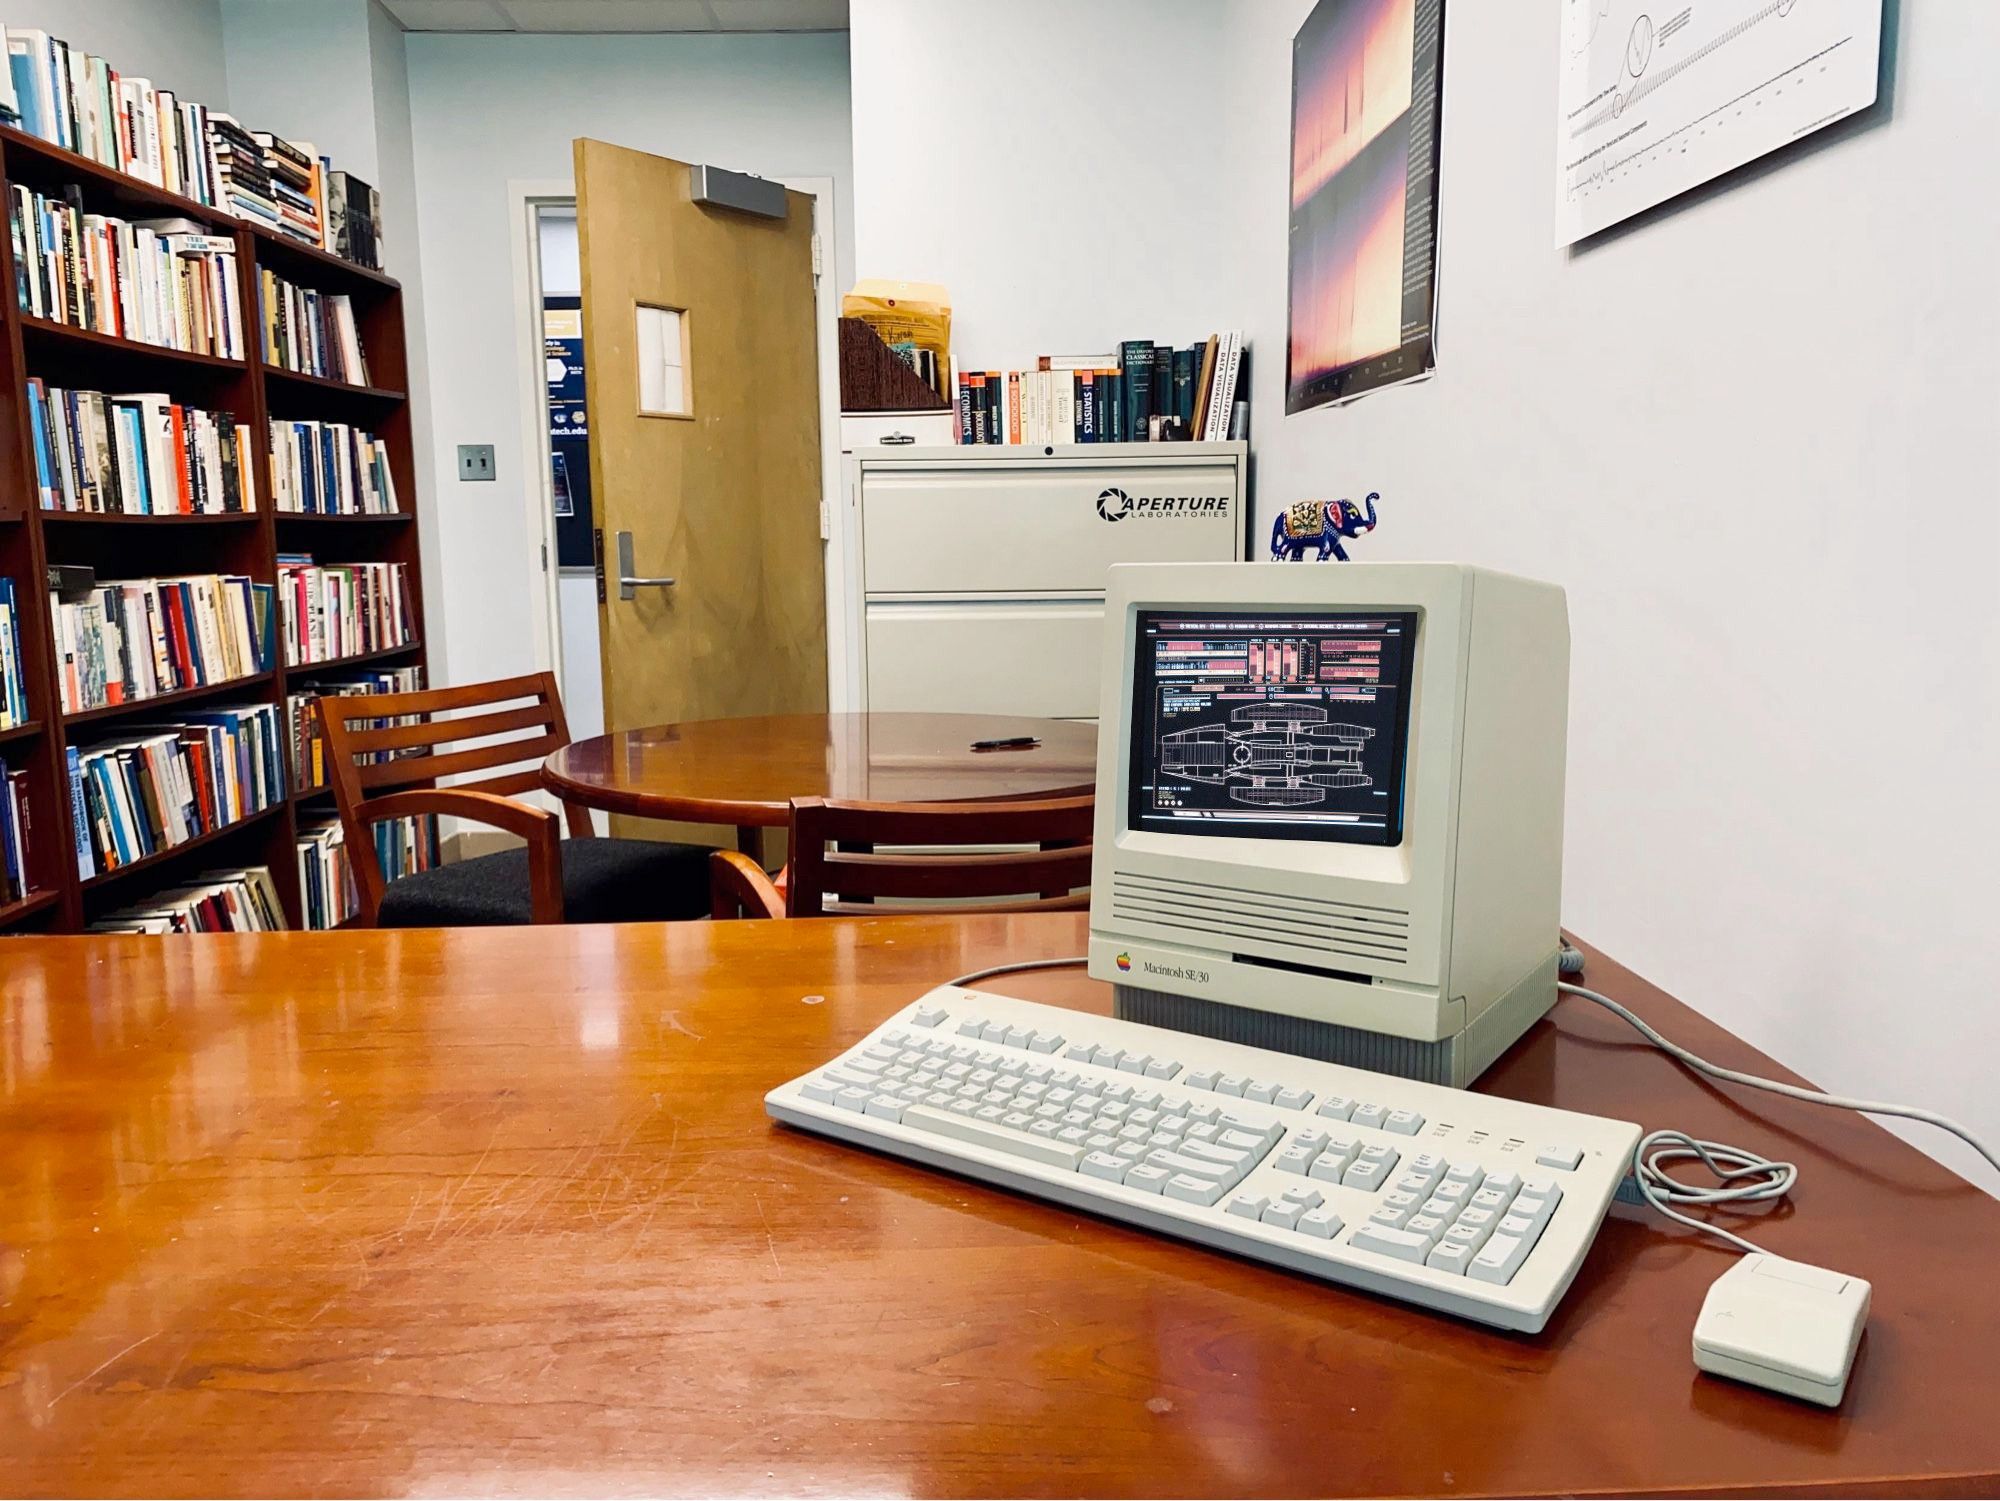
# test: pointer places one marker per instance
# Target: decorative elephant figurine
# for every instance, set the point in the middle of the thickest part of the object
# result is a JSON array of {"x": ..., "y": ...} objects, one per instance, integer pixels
[{"x": 1320, "y": 523}]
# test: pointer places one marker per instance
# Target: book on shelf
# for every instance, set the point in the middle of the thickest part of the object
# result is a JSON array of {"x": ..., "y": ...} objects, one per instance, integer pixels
[
  {"x": 330, "y": 469},
  {"x": 125, "y": 640},
  {"x": 354, "y": 224},
  {"x": 137, "y": 454},
  {"x": 1145, "y": 392},
  {"x": 334, "y": 610},
  {"x": 163, "y": 281},
  {"x": 307, "y": 738},
  {"x": 13, "y": 665},
  {"x": 160, "y": 786},
  {"x": 293, "y": 171},
  {"x": 310, "y": 331},
  {"x": 15, "y": 833},
  {"x": 327, "y": 894},
  {"x": 217, "y": 901}
]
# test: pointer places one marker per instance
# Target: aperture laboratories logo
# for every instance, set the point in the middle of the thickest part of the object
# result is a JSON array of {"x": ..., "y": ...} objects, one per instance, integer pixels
[{"x": 1113, "y": 504}]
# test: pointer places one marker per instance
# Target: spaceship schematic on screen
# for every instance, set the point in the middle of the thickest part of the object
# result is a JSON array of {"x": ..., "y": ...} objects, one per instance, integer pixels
[{"x": 1270, "y": 755}]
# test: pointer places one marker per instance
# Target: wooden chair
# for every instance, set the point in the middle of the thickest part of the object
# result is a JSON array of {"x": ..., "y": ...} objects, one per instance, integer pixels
[
  {"x": 836, "y": 870},
  {"x": 585, "y": 879}
]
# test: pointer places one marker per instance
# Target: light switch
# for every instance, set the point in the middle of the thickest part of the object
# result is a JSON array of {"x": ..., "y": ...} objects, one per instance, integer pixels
[{"x": 475, "y": 461}]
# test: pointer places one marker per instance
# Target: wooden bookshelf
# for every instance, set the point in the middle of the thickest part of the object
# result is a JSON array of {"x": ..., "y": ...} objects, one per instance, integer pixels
[{"x": 121, "y": 546}]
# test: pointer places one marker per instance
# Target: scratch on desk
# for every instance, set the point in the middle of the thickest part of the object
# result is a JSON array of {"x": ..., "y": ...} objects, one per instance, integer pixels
[
  {"x": 770, "y": 1240},
  {"x": 144, "y": 1339},
  {"x": 673, "y": 1019}
]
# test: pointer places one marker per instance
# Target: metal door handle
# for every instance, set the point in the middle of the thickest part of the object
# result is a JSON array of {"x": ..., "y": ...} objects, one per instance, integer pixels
[{"x": 627, "y": 580}]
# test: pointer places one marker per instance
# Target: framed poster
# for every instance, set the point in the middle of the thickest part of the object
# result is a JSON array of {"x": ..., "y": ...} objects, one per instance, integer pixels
[
  {"x": 1367, "y": 88},
  {"x": 1656, "y": 101}
]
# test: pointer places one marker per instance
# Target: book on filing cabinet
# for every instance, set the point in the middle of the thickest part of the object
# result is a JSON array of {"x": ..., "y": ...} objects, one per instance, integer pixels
[{"x": 1148, "y": 392}]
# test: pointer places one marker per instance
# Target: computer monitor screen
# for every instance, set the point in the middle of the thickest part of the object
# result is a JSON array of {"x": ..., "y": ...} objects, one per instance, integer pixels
[{"x": 1272, "y": 724}]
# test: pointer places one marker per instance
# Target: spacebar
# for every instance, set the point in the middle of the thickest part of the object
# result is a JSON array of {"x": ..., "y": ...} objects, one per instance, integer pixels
[{"x": 999, "y": 1138}]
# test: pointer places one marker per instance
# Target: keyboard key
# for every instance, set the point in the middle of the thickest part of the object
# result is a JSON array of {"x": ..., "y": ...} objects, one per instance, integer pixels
[
  {"x": 1045, "y": 1128},
  {"x": 1250, "y": 1206},
  {"x": 1508, "y": 1183},
  {"x": 1108, "y": 1057},
  {"x": 1017, "y": 1037},
  {"x": 1076, "y": 1136},
  {"x": 1323, "y": 1223},
  {"x": 1395, "y": 1216},
  {"x": 1491, "y": 1200},
  {"x": 1201, "y": 1078},
  {"x": 819, "y": 1091},
  {"x": 1144, "y": 1098},
  {"x": 1450, "y": 1256},
  {"x": 1370, "y": 1115},
  {"x": 1336, "y": 1107},
  {"x": 1045, "y": 1042},
  {"x": 1100, "y": 1141},
  {"x": 997, "y": 1138},
  {"x": 881, "y": 1052},
  {"x": 1104, "y": 1165},
  {"x": 1514, "y": 1225},
  {"x": 1294, "y": 1099},
  {"x": 1252, "y": 1125},
  {"x": 1295, "y": 1160},
  {"x": 1542, "y": 1188},
  {"x": 1404, "y": 1122},
  {"x": 1472, "y": 1237},
  {"x": 1387, "y": 1156},
  {"x": 971, "y": 1027},
  {"x": 1482, "y": 1220},
  {"x": 1284, "y": 1215},
  {"x": 1400, "y": 1244},
  {"x": 1147, "y": 1179},
  {"x": 1263, "y": 1091},
  {"x": 1134, "y": 1063},
  {"x": 991, "y": 1112},
  {"x": 1558, "y": 1154},
  {"x": 1080, "y": 1051},
  {"x": 1130, "y": 1151},
  {"x": 1429, "y": 1226},
  {"x": 928, "y": 1016},
  {"x": 1498, "y": 1260},
  {"x": 1454, "y": 1194},
  {"x": 1304, "y": 1197},
  {"x": 1203, "y": 1110},
  {"x": 1193, "y": 1190},
  {"x": 1230, "y": 1084},
  {"x": 1194, "y": 1167},
  {"x": 993, "y": 1032},
  {"x": 854, "y": 1099},
  {"x": 1310, "y": 1136},
  {"x": 1203, "y": 1131},
  {"x": 1141, "y": 1116},
  {"x": 1221, "y": 1156},
  {"x": 1471, "y": 1174},
  {"x": 1020, "y": 1120},
  {"x": 1365, "y": 1175},
  {"x": 1162, "y": 1068},
  {"x": 886, "y": 1106}
]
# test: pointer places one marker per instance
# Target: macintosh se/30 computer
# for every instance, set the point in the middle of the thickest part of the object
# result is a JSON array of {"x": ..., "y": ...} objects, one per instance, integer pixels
[{"x": 1325, "y": 885}]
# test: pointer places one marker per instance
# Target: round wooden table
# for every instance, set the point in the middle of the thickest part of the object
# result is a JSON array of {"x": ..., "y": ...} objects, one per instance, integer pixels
[{"x": 745, "y": 772}]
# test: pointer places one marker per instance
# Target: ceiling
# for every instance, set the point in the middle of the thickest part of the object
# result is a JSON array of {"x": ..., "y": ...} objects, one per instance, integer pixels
[{"x": 620, "y": 15}]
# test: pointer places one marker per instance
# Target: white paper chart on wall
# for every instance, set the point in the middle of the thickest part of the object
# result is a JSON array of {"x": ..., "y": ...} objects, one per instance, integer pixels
[{"x": 1659, "y": 98}]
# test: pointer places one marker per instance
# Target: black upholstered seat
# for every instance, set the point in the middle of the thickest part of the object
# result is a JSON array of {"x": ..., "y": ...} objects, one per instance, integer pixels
[{"x": 603, "y": 880}]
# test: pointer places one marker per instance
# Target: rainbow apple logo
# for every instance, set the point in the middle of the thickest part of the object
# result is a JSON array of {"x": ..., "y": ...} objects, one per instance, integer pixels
[{"x": 1125, "y": 961}]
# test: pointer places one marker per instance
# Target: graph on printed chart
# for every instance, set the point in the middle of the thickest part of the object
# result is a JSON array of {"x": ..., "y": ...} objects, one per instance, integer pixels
[{"x": 1659, "y": 98}]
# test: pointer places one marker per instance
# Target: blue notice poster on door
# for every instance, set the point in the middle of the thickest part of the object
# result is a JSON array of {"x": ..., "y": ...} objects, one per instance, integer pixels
[{"x": 569, "y": 433}]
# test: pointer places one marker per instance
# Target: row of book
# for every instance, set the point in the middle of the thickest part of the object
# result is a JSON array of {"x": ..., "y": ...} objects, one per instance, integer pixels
[
  {"x": 13, "y": 666},
  {"x": 217, "y": 901},
  {"x": 303, "y": 733},
  {"x": 310, "y": 331},
  {"x": 137, "y": 455},
  {"x": 330, "y": 469},
  {"x": 327, "y": 894},
  {"x": 126, "y": 640},
  {"x": 159, "y": 281},
  {"x": 165, "y": 785},
  {"x": 14, "y": 832},
  {"x": 1146, "y": 392},
  {"x": 337, "y": 610},
  {"x": 83, "y": 104}
]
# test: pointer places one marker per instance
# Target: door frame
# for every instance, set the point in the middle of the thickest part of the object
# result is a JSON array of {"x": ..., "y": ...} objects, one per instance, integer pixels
[{"x": 526, "y": 198}]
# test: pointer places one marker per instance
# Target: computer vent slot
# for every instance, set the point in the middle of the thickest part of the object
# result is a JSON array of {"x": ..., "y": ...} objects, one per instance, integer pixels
[{"x": 1300, "y": 924}]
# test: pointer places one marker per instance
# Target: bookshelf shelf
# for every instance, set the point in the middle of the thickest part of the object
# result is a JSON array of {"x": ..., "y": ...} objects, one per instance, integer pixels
[
  {"x": 168, "y": 700},
  {"x": 27, "y": 906},
  {"x": 174, "y": 851},
  {"x": 357, "y": 659},
  {"x": 48, "y": 330},
  {"x": 166, "y": 518},
  {"x": 34, "y": 162},
  {"x": 127, "y": 546}
]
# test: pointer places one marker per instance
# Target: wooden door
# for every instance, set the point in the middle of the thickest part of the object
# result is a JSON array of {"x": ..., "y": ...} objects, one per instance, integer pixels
[{"x": 714, "y": 472}]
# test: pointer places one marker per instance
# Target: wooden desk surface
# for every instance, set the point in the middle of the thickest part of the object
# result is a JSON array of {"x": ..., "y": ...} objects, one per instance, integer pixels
[{"x": 499, "y": 1211}]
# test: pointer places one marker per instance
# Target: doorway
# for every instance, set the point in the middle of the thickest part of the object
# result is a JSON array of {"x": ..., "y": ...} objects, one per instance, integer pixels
[{"x": 563, "y": 592}]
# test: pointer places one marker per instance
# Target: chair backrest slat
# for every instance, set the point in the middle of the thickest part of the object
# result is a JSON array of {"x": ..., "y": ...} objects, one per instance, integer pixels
[
  {"x": 352, "y": 740},
  {"x": 837, "y": 863}
]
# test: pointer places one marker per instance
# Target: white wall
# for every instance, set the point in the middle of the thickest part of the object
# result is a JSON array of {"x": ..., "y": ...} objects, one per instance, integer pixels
[
  {"x": 994, "y": 152},
  {"x": 488, "y": 110},
  {"x": 176, "y": 43},
  {"x": 1750, "y": 436}
]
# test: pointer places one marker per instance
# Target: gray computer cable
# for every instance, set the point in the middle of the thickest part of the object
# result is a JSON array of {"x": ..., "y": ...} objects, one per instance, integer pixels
[
  {"x": 1013, "y": 969},
  {"x": 1744, "y": 1177}
]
